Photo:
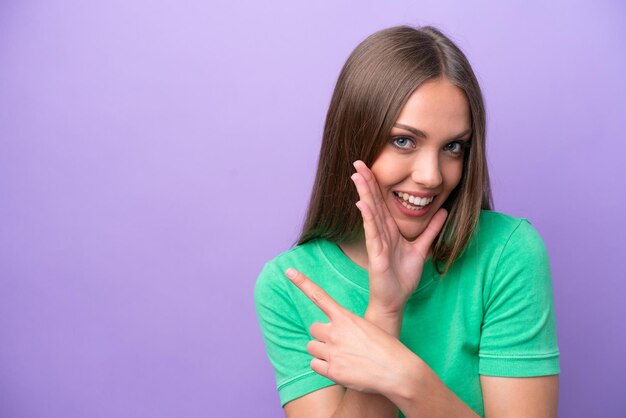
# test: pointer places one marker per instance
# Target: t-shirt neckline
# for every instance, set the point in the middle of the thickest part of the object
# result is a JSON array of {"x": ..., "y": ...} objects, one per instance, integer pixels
[{"x": 358, "y": 275}]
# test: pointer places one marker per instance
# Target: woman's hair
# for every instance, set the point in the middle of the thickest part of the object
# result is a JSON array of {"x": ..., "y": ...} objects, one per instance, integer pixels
[{"x": 376, "y": 81}]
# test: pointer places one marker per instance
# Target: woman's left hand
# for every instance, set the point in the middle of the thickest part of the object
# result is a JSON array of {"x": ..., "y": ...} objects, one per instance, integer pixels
[
  {"x": 350, "y": 350},
  {"x": 394, "y": 264}
]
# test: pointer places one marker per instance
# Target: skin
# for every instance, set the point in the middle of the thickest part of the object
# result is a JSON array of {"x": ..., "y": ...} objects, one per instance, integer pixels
[
  {"x": 376, "y": 374},
  {"x": 409, "y": 163}
]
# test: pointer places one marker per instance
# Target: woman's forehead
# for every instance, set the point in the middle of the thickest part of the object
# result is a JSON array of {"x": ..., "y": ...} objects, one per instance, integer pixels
[{"x": 436, "y": 107}]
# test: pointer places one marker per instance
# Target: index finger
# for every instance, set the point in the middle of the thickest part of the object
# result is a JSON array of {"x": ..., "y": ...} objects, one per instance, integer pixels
[{"x": 317, "y": 295}]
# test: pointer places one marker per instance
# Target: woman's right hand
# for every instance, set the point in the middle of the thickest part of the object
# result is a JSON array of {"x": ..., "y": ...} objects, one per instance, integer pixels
[
  {"x": 350, "y": 350},
  {"x": 394, "y": 264}
]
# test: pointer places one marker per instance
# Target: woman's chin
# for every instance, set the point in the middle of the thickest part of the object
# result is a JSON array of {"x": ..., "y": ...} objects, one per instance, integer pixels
[
  {"x": 411, "y": 235},
  {"x": 413, "y": 228}
]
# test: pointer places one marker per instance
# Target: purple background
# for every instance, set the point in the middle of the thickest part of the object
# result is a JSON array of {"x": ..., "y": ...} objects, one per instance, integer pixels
[{"x": 154, "y": 154}]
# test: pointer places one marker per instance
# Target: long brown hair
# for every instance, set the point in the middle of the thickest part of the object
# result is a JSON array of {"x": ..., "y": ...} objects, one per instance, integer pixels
[{"x": 373, "y": 87}]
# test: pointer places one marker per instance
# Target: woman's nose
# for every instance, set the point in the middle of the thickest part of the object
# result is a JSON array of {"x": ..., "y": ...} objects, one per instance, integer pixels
[{"x": 427, "y": 172}]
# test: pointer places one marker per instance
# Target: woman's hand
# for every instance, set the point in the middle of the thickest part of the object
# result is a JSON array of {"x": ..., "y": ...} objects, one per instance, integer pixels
[
  {"x": 350, "y": 350},
  {"x": 395, "y": 265}
]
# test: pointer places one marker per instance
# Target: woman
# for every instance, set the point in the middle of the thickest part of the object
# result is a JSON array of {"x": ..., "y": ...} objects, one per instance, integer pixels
[{"x": 421, "y": 300}]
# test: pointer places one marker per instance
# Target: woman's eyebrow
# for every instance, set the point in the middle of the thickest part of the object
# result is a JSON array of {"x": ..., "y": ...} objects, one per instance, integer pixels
[
  {"x": 462, "y": 134},
  {"x": 421, "y": 134},
  {"x": 411, "y": 129}
]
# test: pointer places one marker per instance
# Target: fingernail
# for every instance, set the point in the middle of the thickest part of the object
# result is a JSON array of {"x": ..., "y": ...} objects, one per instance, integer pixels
[
  {"x": 291, "y": 273},
  {"x": 354, "y": 176}
]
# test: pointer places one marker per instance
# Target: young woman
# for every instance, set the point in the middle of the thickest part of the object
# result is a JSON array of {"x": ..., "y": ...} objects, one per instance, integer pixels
[{"x": 407, "y": 294}]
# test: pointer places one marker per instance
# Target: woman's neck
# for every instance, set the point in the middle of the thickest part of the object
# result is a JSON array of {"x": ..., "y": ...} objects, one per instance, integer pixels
[{"x": 355, "y": 251}]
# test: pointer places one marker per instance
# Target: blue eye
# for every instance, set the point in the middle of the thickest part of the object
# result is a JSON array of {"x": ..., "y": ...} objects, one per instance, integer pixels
[
  {"x": 457, "y": 147},
  {"x": 402, "y": 142}
]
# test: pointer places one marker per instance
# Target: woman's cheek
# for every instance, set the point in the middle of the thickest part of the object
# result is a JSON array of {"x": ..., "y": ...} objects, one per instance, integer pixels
[{"x": 455, "y": 172}]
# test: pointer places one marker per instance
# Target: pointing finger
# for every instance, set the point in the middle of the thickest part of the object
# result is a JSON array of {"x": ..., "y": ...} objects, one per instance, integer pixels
[{"x": 314, "y": 292}]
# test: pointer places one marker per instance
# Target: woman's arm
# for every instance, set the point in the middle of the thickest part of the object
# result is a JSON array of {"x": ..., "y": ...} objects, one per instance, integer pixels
[
  {"x": 367, "y": 360},
  {"x": 425, "y": 395},
  {"x": 362, "y": 357},
  {"x": 326, "y": 402},
  {"x": 520, "y": 396},
  {"x": 319, "y": 404}
]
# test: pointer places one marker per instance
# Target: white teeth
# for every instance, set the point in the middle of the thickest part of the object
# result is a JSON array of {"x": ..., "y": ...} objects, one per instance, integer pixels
[
  {"x": 417, "y": 201},
  {"x": 406, "y": 205}
]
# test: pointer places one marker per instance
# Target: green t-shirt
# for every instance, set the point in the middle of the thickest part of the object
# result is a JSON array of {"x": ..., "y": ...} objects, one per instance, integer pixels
[{"x": 492, "y": 314}]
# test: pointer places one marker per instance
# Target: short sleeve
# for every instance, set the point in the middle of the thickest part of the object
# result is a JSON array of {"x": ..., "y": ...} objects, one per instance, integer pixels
[
  {"x": 518, "y": 333},
  {"x": 285, "y": 336}
]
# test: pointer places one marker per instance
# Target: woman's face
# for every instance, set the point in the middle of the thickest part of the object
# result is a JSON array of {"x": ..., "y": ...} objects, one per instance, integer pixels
[{"x": 422, "y": 162}]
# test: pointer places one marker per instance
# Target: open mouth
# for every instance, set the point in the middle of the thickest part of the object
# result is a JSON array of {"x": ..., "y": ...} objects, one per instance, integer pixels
[{"x": 413, "y": 202}]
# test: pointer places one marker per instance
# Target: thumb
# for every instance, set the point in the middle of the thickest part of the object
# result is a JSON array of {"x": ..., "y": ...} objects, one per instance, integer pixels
[{"x": 426, "y": 238}]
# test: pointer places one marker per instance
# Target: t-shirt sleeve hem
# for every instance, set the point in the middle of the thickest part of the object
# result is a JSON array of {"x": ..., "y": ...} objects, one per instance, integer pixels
[
  {"x": 302, "y": 385},
  {"x": 522, "y": 366}
]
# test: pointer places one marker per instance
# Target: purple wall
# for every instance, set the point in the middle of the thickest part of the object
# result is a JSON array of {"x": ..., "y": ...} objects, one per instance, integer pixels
[{"x": 154, "y": 154}]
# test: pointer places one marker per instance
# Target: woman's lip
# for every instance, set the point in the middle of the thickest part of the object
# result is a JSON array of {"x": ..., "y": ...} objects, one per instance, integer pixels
[{"x": 410, "y": 212}]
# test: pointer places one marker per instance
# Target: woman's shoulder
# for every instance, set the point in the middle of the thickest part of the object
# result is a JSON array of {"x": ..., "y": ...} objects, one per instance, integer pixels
[
  {"x": 497, "y": 230},
  {"x": 490, "y": 219},
  {"x": 510, "y": 253},
  {"x": 300, "y": 257},
  {"x": 497, "y": 224},
  {"x": 309, "y": 252}
]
